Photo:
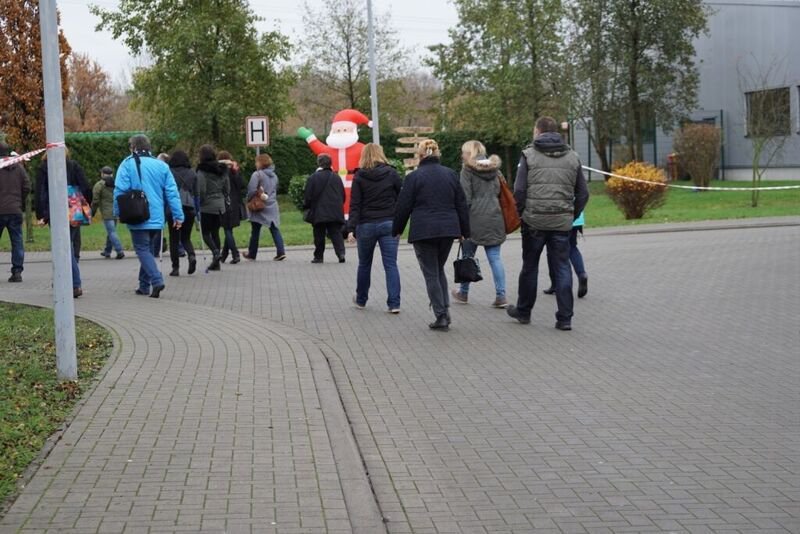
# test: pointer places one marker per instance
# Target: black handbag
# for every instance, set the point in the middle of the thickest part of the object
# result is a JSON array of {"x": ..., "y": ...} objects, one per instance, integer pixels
[
  {"x": 467, "y": 269},
  {"x": 132, "y": 204}
]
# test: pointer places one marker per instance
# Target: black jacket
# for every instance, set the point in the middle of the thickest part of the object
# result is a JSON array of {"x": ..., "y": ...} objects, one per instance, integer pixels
[
  {"x": 434, "y": 200},
  {"x": 325, "y": 197},
  {"x": 374, "y": 195},
  {"x": 75, "y": 176},
  {"x": 233, "y": 216}
]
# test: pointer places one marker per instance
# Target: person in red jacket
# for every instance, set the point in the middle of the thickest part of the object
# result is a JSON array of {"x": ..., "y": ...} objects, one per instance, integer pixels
[{"x": 342, "y": 146}]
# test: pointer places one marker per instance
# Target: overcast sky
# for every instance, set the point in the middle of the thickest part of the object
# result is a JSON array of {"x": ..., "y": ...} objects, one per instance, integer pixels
[{"x": 419, "y": 23}]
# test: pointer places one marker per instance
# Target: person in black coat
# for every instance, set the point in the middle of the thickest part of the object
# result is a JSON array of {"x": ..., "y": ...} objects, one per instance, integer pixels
[
  {"x": 233, "y": 215},
  {"x": 433, "y": 199},
  {"x": 186, "y": 180},
  {"x": 77, "y": 178},
  {"x": 324, "y": 201}
]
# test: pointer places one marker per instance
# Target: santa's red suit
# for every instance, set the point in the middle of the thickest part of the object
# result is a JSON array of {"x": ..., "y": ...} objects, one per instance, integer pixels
[{"x": 343, "y": 146}]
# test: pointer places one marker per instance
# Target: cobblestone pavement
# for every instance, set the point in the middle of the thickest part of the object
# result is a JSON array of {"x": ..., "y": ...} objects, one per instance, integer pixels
[{"x": 674, "y": 405}]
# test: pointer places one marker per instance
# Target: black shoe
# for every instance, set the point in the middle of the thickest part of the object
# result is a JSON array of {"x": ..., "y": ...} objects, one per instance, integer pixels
[
  {"x": 106, "y": 255},
  {"x": 76, "y": 292},
  {"x": 223, "y": 258},
  {"x": 279, "y": 257},
  {"x": 182, "y": 254},
  {"x": 562, "y": 325},
  {"x": 214, "y": 265},
  {"x": 142, "y": 293},
  {"x": 513, "y": 312},
  {"x": 583, "y": 286},
  {"x": 235, "y": 260},
  {"x": 15, "y": 277},
  {"x": 447, "y": 318},
  {"x": 192, "y": 265},
  {"x": 175, "y": 272},
  {"x": 120, "y": 255},
  {"x": 341, "y": 259},
  {"x": 441, "y": 323},
  {"x": 317, "y": 260},
  {"x": 156, "y": 291},
  {"x": 549, "y": 291}
]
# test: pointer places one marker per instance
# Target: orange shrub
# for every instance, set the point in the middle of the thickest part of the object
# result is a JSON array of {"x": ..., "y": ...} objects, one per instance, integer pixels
[{"x": 634, "y": 199}]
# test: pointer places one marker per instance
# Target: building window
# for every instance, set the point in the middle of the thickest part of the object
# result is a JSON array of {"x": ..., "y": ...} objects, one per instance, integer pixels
[{"x": 768, "y": 113}]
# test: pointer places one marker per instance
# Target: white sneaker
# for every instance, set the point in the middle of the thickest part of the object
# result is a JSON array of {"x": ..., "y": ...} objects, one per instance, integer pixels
[
  {"x": 358, "y": 306},
  {"x": 394, "y": 311}
]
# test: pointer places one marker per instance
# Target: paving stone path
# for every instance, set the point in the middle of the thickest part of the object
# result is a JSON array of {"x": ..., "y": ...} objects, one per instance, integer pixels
[{"x": 674, "y": 405}]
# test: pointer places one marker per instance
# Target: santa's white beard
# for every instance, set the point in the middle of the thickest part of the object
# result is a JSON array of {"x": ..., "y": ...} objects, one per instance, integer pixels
[{"x": 342, "y": 140}]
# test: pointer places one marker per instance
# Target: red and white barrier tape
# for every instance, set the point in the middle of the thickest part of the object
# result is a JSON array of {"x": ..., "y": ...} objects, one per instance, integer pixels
[
  {"x": 692, "y": 187},
  {"x": 6, "y": 162}
]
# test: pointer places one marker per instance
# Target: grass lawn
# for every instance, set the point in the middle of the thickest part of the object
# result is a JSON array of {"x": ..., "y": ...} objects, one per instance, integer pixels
[
  {"x": 681, "y": 206},
  {"x": 32, "y": 402}
]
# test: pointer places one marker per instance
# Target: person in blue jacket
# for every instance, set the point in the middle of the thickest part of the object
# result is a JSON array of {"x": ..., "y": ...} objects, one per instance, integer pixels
[
  {"x": 575, "y": 258},
  {"x": 142, "y": 171}
]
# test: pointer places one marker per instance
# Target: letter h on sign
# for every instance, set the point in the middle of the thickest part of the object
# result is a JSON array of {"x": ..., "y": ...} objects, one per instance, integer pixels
[{"x": 257, "y": 131}]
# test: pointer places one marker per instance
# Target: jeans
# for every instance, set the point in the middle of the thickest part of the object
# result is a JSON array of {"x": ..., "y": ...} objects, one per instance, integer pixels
[
  {"x": 210, "y": 224},
  {"x": 369, "y": 235},
  {"x": 75, "y": 240},
  {"x": 255, "y": 235},
  {"x": 495, "y": 263},
  {"x": 14, "y": 224},
  {"x": 432, "y": 256},
  {"x": 230, "y": 244},
  {"x": 334, "y": 232},
  {"x": 146, "y": 243},
  {"x": 181, "y": 238},
  {"x": 533, "y": 244},
  {"x": 575, "y": 258},
  {"x": 112, "y": 240}
]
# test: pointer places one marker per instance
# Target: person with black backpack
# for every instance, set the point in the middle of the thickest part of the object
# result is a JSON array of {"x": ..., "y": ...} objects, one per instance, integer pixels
[
  {"x": 143, "y": 188},
  {"x": 186, "y": 181},
  {"x": 323, "y": 208}
]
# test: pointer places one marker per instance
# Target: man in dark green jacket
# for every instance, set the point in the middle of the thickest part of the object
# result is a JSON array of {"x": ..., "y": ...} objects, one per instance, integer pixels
[
  {"x": 551, "y": 192},
  {"x": 103, "y": 201}
]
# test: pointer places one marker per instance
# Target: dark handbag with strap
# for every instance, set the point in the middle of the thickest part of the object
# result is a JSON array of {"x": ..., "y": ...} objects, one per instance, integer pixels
[
  {"x": 467, "y": 269},
  {"x": 508, "y": 206},
  {"x": 133, "y": 205}
]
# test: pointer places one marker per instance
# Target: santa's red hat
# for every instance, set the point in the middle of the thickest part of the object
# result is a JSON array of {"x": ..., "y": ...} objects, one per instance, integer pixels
[{"x": 352, "y": 116}]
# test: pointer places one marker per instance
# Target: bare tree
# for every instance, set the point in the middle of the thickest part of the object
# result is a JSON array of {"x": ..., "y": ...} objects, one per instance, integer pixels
[{"x": 767, "y": 112}]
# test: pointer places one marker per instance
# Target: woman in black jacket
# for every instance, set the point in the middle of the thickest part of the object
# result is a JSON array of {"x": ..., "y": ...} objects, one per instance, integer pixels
[
  {"x": 77, "y": 179},
  {"x": 372, "y": 203},
  {"x": 434, "y": 200},
  {"x": 324, "y": 200},
  {"x": 186, "y": 180},
  {"x": 233, "y": 215}
]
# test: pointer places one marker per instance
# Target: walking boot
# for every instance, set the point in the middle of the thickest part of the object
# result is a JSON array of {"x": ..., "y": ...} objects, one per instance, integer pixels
[
  {"x": 583, "y": 285},
  {"x": 214, "y": 264},
  {"x": 441, "y": 323},
  {"x": 175, "y": 272},
  {"x": 192, "y": 265},
  {"x": 16, "y": 277}
]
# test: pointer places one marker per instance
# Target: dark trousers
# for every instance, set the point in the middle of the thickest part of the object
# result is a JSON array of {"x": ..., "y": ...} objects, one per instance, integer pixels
[
  {"x": 533, "y": 244},
  {"x": 575, "y": 258},
  {"x": 181, "y": 237},
  {"x": 255, "y": 235},
  {"x": 210, "y": 224},
  {"x": 75, "y": 239},
  {"x": 334, "y": 232},
  {"x": 432, "y": 256},
  {"x": 13, "y": 222},
  {"x": 229, "y": 245}
]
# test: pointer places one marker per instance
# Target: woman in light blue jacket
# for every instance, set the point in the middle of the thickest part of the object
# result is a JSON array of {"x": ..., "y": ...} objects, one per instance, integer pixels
[{"x": 576, "y": 258}]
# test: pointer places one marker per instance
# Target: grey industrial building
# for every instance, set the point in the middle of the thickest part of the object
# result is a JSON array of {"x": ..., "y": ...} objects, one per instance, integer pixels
[{"x": 746, "y": 38}]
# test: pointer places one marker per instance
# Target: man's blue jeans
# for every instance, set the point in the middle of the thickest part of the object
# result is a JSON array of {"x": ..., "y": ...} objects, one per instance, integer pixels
[
  {"x": 14, "y": 224},
  {"x": 113, "y": 239},
  {"x": 369, "y": 235},
  {"x": 147, "y": 243},
  {"x": 533, "y": 243},
  {"x": 469, "y": 249}
]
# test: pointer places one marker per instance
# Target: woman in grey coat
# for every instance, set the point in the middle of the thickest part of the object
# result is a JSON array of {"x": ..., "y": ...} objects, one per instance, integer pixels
[
  {"x": 213, "y": 190},
  {"x": 265, "y": 179},
  {"x": 480, "y": 180}
]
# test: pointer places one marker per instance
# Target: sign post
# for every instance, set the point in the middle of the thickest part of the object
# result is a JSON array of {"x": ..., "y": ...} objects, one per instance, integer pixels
[{"x": 257, "y": 132}]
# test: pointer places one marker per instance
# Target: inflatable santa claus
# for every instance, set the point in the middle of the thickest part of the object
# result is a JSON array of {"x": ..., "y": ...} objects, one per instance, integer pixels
[{"x": 342, "y": 146}]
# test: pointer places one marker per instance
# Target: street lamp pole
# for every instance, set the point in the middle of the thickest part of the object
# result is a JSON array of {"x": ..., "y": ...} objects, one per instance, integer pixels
[
  {"x": 373, "y": 82},
  {"x": 66, "y": 352}
]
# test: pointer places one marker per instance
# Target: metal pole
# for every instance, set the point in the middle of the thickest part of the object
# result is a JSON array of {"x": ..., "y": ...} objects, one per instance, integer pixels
[
  {"x": 66, "y": 353},
  {"x": 373, "y": 81}
]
